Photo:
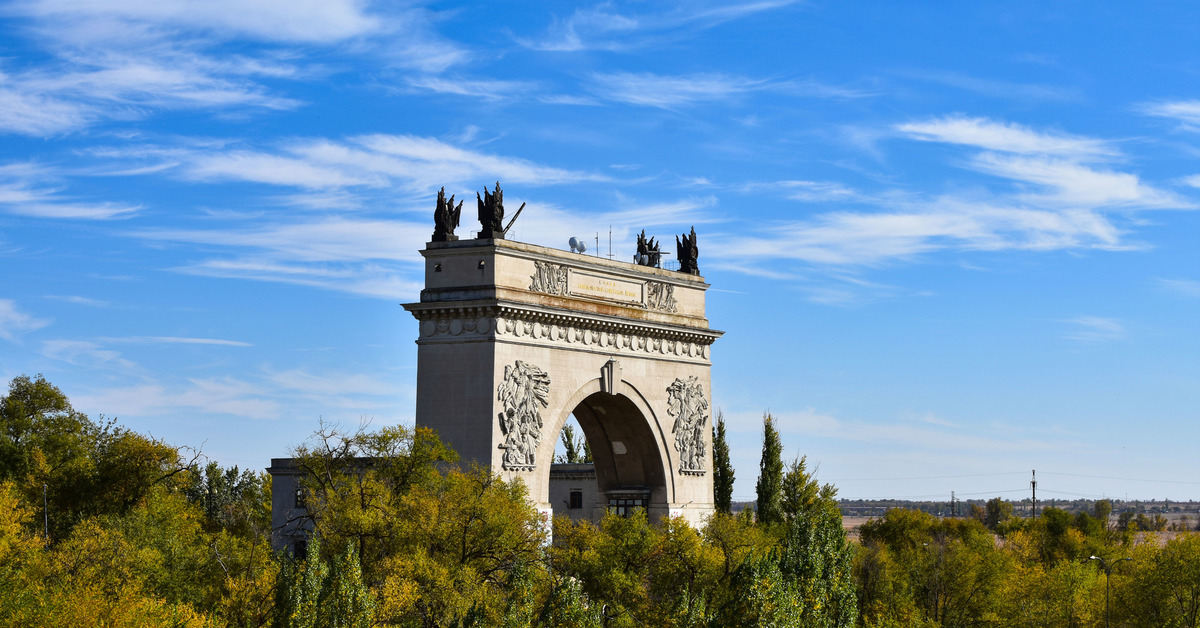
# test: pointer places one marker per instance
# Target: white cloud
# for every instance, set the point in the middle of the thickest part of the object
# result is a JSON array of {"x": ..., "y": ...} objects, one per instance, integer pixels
[
  {"x": 1186, "y": 112},
  {"x": 23, "y": 191},
  {"x": 1056, "y": 162},
  {"x": 490, "y": 90},
  {"x": 317, "y": 21},
  {"x": 1058, "y": 202},
  {"x": 126, "y": 59},
  {"x": 181, "y": 341},
  {"x": 85, "y": 353},
  {"x": 420, "y": 164},
  {"x": 667, "y": 92},
  {"x": 1074, "y": 184},
  {"x": 1185, "y": 287},
  {"x": 304, "y": 382},
  {"x": 1095, "y": 329},
  {"x": 996, "y": 88},
  {"x": 1008, "y": 137},
  {"x": 217, "y": 395},
  {"x": 913, "y": 228},
  {"x": 818, "y": 191},
  {"x": 603, "y": 28},
  {"x": 13, "y": 321}
]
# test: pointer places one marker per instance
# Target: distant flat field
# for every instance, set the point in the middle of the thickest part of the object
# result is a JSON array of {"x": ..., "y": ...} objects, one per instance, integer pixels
[{"x": 851, "y": 524}]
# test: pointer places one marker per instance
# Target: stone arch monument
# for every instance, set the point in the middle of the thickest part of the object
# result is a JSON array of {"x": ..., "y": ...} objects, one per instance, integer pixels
[{"x": 515, "y": 338}]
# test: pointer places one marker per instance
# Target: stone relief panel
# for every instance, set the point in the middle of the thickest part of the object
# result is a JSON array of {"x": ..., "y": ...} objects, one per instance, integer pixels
[
  {"x": 549, "y": 278},
  {"x": 660, "y": 296},
  {"x": 686, "y": 403},
  {"x": 525, "y": 387}
]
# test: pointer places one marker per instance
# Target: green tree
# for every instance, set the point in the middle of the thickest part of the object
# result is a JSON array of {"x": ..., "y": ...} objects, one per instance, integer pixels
[
  {"x": 577, "y": 448},
  {"x": 722, "y": 468},
  {"x": 819, "y": 559},
  {"x": 997, "y": 512},
  {"x": 769, "y": 487}
]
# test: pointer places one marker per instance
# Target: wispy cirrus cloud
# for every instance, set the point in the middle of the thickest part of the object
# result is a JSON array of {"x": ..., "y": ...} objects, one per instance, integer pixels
[
  {"x": 1185, "y": 112},
  {"x": 672, "y": 91},
  {"x": 29, "y": 189},
  {"x": 911, "y": 228},
  {"x": 13, "y": 321},
  {"x": 86, "y": 353},
  {"x": 609, "y": 27},
  {"x": 1005, "y": 136},
  {"x": 119, "y": 61},
  {"x": 223, "y": 395},
  {"x": 1095, "y": 329},
  {"x": 997, "y": 88},
  {"x": 492, "y": 90},
  {"x": 416, "y": 163},
  {"x": 177, "y": 340},
  {"x": 1062, "y": 165},
  {"x": 1185, "y": 287}
]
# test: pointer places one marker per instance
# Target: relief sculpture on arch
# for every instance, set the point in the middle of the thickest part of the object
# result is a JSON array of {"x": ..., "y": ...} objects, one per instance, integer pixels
[
  {"x": 524, "y": 388},
  {"x": 686, "y": 403}
]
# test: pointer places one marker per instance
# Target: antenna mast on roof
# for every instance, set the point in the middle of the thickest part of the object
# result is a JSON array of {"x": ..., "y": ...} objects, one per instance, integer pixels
[{"x": 610, "y": 242}]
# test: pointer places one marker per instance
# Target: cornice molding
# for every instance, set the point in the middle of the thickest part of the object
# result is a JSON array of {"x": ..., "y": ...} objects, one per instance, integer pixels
[{"x": 457, "y": 323}]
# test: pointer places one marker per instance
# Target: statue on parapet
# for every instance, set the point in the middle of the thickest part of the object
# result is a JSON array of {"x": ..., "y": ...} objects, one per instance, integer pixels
[
  {"x": 688, "y": 253},
  {"x": 649, "y": 252},
  {"x": 491, "y": 214},
  {"x": 445, "y": 218}
]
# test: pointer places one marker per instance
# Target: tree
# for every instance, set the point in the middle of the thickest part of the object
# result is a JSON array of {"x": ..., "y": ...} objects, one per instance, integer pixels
[
  {"x": 722, "y": 468},
  {"x": 997, "y": 512},
  {"x": 770, "y": 475},
  {"x": 577, "y": 448}
]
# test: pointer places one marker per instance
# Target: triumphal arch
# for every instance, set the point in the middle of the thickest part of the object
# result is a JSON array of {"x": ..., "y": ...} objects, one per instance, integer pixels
[{"x": 515, "y": 338}]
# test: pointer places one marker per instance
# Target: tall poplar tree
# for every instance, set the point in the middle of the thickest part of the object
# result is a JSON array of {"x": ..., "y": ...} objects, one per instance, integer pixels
[
  {"x": 770, "y": 475},
  {"x": 722, "y": 468}
]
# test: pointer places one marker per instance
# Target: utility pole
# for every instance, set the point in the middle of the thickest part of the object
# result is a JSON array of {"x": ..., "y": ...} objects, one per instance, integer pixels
[{"x": 1033, "y": 485}]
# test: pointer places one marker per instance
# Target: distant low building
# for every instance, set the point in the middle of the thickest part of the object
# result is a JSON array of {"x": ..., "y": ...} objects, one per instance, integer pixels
[{"x": 290, "y": 524}]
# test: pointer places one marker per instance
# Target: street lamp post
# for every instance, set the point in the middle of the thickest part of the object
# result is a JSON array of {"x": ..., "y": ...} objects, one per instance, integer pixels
[{"x": 1107, "y": 576}]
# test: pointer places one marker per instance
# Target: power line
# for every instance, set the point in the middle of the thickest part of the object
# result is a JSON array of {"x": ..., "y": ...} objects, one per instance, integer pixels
[
  {"x": 1109, "y": 477},
  {"x": 926, "y": 477}
]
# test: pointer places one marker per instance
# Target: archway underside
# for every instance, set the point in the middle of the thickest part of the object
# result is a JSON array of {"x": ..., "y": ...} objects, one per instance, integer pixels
[{"x": 629, "y": 469}]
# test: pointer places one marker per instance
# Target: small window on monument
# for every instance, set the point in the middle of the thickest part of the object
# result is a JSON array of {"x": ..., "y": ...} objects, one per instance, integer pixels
[
  {"x": 300, "y": 503},
  {"x": 576, "y": 500},
  {"x": 300, "y": 549}
]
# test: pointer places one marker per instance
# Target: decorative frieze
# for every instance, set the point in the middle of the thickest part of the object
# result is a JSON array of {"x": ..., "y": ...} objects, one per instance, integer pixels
[
  {"x": 588, "y": 334},
  {"x": 525, "y": 387},
  {"x": 686, "y": 403}
]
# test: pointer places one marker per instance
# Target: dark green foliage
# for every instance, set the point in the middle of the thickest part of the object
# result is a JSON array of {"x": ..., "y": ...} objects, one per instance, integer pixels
[
  {"x": 819, "y": 560},
  {"x": 770, "y": 475},
  {"x": 722, "y": 468}
]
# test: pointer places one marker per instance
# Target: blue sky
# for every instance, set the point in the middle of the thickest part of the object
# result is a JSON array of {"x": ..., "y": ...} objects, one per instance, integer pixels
[{"x": 949, "y": 243}]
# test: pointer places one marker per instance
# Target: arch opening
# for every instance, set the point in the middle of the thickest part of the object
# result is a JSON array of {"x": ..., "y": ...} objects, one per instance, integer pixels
[{"x": 627, "y": 469}]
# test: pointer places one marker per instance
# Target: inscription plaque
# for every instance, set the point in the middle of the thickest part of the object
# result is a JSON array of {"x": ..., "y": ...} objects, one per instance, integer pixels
[{"x": 600, "y": 287}]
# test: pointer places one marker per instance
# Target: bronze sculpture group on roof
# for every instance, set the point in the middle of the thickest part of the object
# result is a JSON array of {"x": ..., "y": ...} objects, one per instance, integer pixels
[{"x": 491, "y": 220}]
